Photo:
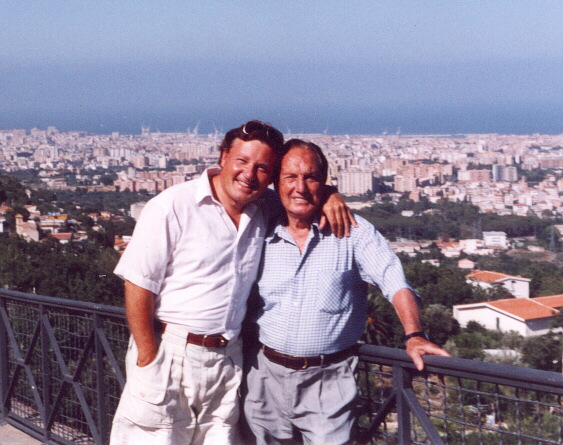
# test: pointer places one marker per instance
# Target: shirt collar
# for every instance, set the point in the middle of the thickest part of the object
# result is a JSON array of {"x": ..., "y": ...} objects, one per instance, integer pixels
[
  {"x": 279, "y": 231},
  {"x": 204, "y": 192},
  {"x": 203, "y": 187}
]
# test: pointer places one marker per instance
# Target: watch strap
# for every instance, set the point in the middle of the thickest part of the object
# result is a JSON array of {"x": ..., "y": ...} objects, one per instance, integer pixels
[{"x": 416, "y": 334}]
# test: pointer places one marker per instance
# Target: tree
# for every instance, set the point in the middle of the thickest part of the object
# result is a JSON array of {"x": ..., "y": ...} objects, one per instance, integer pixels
[
  {"x": 543, "y": 352},
  {"x": 439, "y": 285},
  {"x": 108, "y": 179},
  {"x": 439, "y": 322},
  {"x": 557, "y": 322},
  {"x": 469, "y": 345},
  {"x": 498, "y": 292}
]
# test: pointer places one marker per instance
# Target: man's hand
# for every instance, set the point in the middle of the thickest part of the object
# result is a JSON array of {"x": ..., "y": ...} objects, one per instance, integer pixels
[
  {"x": 418, "y": 346},
  {"x": 337, "y": 214},
  {"x": 146, "y": 356}
]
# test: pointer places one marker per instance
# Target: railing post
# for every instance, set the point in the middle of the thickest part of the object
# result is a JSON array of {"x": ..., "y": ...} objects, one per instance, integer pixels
[
  {"x": 402, "y": 380},
  {"x": 4, "y": 368},
  {"x": 100, "y": 380},
  {"x": 46, "y": 369}
]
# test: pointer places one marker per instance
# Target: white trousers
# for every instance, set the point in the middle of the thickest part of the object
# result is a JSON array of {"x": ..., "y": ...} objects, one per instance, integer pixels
[{"x": 187, "y": 395}]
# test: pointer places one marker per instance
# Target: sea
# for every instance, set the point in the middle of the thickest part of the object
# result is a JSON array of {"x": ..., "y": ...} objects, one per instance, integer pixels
[{"x": 372, "y": 120}]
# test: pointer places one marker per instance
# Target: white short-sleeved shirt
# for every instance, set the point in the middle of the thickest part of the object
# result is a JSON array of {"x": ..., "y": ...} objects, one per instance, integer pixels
[{"x": 187, "y": 251}]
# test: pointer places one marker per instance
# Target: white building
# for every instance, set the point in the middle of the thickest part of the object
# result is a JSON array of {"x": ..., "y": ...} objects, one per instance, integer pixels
[
  {"x": 528, "y": 317},
  {"x": 516, "y": 285},
  {"x": 471, "y": 246},
  {"x": 355, "y": 182},
  {"x": 466, "y": 264},
  {"x": 495, "y": 239}
]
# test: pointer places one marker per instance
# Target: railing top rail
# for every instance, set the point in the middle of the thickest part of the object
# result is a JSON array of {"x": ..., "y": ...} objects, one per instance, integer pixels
[
  {"x": 62, "y": 302},
  {"x": 533, "y": 379},
  {"x": 516, "y": 376}
]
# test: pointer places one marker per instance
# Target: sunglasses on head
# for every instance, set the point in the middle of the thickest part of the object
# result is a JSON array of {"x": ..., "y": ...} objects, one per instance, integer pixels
[{"x": 255, "y": 126}]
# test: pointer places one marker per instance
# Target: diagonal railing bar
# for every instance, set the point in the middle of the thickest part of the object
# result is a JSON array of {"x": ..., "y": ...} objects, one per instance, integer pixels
[
  {"x": 412, "y": 407},
  {"x": 67, "y": 381},
  {"x": 417, "y": 410},
  {"x": 111, "y": 356},
  {"x": 23, "y": 363},
  {"x": 366, "y": 434},
  {"x": 56, "y": 349},
  {"x": 71, "y": 379}
]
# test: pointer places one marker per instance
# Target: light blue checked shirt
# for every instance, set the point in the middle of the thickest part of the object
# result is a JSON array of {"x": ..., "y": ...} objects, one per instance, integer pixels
[{"x": 315, "y": 303}]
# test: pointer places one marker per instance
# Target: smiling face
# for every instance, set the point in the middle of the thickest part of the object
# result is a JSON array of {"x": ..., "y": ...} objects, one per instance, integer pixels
[
  {"x": 246, "y": 171},
  {"x": 300, "y": 184}
]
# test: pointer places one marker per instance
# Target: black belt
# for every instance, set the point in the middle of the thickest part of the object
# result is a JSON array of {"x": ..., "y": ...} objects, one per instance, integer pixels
[
  {"x": 208, "y": 341},
  {"x": 295, "y": 362}
]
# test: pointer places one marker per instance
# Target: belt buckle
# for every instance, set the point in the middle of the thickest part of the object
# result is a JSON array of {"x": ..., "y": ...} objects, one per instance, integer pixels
[
  {"x": 222, "y": 341},
  {"x": 305, "y": 364}
]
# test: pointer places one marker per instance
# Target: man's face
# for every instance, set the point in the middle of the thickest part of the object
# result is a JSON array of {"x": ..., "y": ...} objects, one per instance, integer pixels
[
  {"x": 247, "y": 169},
  {"x": 300, "y": 186}
]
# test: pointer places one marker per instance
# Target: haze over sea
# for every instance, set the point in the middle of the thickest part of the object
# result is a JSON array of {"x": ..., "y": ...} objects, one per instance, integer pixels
[{"x": 306, "y": 66}]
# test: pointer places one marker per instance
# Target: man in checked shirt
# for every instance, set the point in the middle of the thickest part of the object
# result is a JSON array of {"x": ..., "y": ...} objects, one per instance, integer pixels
[{"x": 311, "y": 311}]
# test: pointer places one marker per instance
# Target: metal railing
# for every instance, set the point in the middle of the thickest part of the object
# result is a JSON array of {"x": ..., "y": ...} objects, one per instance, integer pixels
[
  {"x": 456, "y": 401},
  {"x": 62, "y": 364}
]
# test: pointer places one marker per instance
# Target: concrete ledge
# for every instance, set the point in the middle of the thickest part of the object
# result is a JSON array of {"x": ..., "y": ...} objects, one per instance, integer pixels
[{"x": 10, "y": 435}]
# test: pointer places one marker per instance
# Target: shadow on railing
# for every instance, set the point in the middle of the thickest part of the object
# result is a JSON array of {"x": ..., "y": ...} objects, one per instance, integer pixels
[{"x": 61, "y": 374}]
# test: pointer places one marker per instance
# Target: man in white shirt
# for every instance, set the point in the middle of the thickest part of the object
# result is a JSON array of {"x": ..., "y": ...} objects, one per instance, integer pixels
[{"x": 188, "y": 271}]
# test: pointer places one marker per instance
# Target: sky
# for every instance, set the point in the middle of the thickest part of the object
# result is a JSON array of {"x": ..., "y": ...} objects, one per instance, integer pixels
[{"x": 342, "y": 67}]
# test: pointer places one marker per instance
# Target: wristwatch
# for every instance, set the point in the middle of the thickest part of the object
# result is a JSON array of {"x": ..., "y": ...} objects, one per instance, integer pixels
[{"x": 416, "y": 334}]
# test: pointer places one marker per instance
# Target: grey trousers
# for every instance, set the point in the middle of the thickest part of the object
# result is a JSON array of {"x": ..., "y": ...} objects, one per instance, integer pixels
[{"x": 319, "y": 402}]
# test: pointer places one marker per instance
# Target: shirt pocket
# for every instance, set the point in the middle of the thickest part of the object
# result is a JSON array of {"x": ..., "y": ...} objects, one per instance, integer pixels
[{"x": 333, "y": 291}]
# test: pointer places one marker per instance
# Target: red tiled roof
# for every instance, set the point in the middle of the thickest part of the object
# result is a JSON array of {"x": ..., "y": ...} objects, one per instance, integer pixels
[
  {"x": 527, "y": 309},
  {"x": 490, "y": 277},
  {"x": 61, "y": 236},
  {"x": 553, "y": 301}
]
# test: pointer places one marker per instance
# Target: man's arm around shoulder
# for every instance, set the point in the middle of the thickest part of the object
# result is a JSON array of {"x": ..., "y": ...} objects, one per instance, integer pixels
[{"x": 139, "y": 306}]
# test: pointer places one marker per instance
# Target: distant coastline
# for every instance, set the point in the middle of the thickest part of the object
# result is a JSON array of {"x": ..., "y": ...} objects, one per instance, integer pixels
[{"x": 521, "y": 120}]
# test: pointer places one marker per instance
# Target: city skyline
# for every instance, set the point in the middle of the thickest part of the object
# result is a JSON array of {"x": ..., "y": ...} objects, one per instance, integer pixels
[{"x": 309, "y": 67}]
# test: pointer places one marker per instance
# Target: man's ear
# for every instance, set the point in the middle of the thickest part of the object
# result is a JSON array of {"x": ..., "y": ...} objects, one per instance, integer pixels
[{"x": 222, "y": 157}]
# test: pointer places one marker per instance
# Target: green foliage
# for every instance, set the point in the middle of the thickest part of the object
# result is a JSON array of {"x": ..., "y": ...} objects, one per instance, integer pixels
[
  {"x": 439, "y": 285},
  {"x": 48, "y": 268},
  {"x": 470, "y": 346},
  {"x": 108, "y": 179},
  {"x": 497, "y": 292},
  {"x": 474, "y": 326},
  {"x": 475, "y": 337},
  {"x": 557, "y": 321},
  {"x": 439, "y": 323},
  {"x": 383, "y": 325},
  {"x": 446, "y": 219},
  {"x": 88, "y": 202},
  {"x": 543, "y": 352},
  {"x": 12, "y": 192}
]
